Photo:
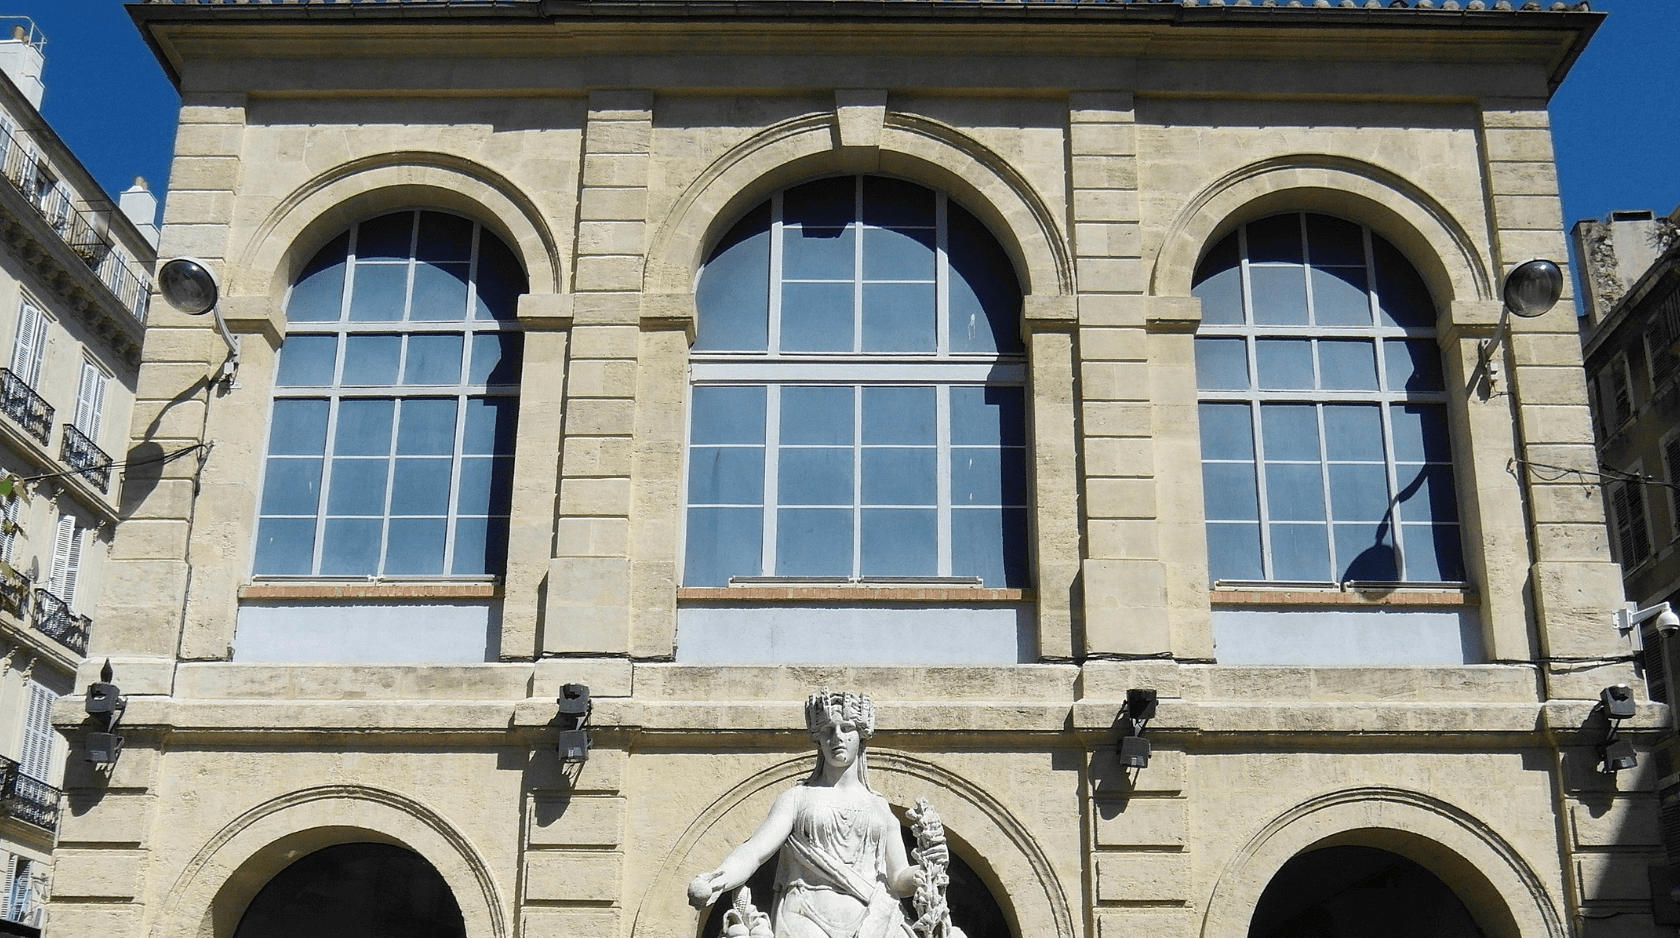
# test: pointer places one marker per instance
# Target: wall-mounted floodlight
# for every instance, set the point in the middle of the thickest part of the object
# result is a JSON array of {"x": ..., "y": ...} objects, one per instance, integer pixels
[
  {"x": 105, "y": 702},
  {"x": 189, "y": 285},
  {"x": 1615, "y": 753},
  {"x": 574, "y": 713},
  {"x": 1531, "y": 289},
  {"x": 1134, "y": 716}
]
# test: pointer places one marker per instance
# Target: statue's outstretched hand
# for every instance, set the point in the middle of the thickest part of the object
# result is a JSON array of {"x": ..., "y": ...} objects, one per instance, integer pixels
[{"x": 705, "y": 889}]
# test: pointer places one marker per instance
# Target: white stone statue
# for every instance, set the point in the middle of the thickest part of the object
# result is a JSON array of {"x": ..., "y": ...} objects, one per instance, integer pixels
[{"x": 842, "y": 866}]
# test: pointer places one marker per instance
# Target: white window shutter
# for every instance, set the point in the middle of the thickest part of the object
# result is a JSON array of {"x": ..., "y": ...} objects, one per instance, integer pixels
[
  {"x": 30, "y": 346},
  {"x": 90, "y": 400},
  {"x": 6, "y": 884},
  {"x": 36, "y": 759},
  {"x": 17, "y": 895},
  {"x": 67, "y": 560},
  {"x": 10, "y": 509}
]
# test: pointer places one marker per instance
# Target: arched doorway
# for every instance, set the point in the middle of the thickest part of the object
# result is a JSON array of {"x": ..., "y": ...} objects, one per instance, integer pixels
[
  {"x": 355, "y": 890},
  {"x": 1359, "y": 892}
]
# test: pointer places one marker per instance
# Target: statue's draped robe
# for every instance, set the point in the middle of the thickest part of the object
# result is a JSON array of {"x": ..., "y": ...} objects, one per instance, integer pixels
[{"x": 831, "y": 879}]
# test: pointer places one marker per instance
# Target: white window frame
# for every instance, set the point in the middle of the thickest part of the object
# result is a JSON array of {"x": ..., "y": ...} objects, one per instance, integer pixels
[
  {"x": 66, "y": 559},
  {"x": 90, "y": 399},
  {"x": 38, "y": 741},
  {"x": 29, "y": 342}
]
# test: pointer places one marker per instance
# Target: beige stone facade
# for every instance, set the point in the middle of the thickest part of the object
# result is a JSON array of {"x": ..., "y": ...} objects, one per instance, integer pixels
[{"x": 1107, "y": 148}]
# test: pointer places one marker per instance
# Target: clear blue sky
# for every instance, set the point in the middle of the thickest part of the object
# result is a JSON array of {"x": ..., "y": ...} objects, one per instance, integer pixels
[{"x": 1616, "y": 120}]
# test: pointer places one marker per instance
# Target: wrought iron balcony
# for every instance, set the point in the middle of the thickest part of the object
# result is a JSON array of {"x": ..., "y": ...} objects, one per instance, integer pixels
[
  {"x": 26, "y": 408},
  {"x": 83, "y": 455},
  {"x": 54, "y": 619},
  {"x": 27, "y": 798}
]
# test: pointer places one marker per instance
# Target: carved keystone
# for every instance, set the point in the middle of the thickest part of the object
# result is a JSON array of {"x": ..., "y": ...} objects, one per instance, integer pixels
[{"x": 861, "y": 115}]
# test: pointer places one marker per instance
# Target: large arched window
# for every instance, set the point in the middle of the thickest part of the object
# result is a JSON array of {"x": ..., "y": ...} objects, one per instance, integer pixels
[
  {"x": 858, "y": 406},
  {"x": 390, "y": 448},
  {"x": 1325, "y": 453}
]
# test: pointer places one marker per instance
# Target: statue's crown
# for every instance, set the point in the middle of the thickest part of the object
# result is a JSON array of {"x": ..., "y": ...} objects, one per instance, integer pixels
[{"x": 825, "y": 707}]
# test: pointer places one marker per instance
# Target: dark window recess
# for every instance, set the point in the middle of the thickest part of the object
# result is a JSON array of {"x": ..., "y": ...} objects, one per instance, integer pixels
[
  {"x": 1627, "y": 504},
  {"x": 1653, "y": 664},
  {"x": 355, "y": 891},
  {"x": 1616, "y": 394},
  {"x": 1671, "y": 459},
  {"x": 1662, "y": 340},
  {"x": 1355, "y": 892}
]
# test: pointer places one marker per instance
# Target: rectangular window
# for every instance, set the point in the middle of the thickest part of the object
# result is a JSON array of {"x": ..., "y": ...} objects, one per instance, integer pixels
[
  {"x": 1616, "y": 394},
  {"x": 35, "y": 755},
  {"x": 90, "y": 400},
  {"x": 1627, "y": 509},
  {"x": 11, "y": 509},
  {"x": 29, "y": 347},
  {"x": 66, "y": 560}
]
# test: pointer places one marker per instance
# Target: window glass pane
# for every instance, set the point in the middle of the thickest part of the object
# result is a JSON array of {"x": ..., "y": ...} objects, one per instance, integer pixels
[
  {"x": 985, "y": 296},
  {"x": 1420, "y": 433},
  {"x": 899, "y": 476},
  {"x": 1295, "y": 491},
  {"x": 816, "y": 415},
  {"x": 358, "y": 487},
  {"x": 1358, "y": 492},
  {"x": 497, "y": 358},
  {"x": 1221, "y": 364},
  {"x": 813, "y": 542},
  {"x": 986, "y": 477},
  {"x": 1233, "y": 551},
  {"x": 990, "y": 543},
  {"x": 900, "y": 542},
  {"x": 433, "y": 359},
  {"x": 898, "y": 317},
  {"x": 440, "y": 292},
  {"x": 1300, "y": 552},
  {"x": 285, "y": 546},
  {"x": 386, "y": 236},
  {"x": 485, "y": 487},
  {"x": 821, "y": 476},
  {"x": 1290, "y": 431},
  {"x": 1218, "y": 282},
  {"x": 1227, "y": 431},
  {"x": 299, "y": 427},
  {"x": 291, "y": 487},
  {"x": 1277, "y": 238},
  {"x": 1402, "y": 299},
  {"x": 421, "y": 487},
  {"x": 1347, "y": 364},
  {"x": 825, "y": 203},
  {"x": 480, "y": 546},
  {"x": 350, "y": 547},
  {"x": 307, "y": 361},
  {"x": 726, "y": 415},
  {"x": 318, "y": 293},
  {"x": 1333, "y": 241},
  {"x": 1366, "y": 552},
  {"x": 379, "y": 293},
  {"x": 491, "y": 422},
  {"x": 726, "y": 475},
  {"x": 733, "y": 297},
  {"x": 817, "y": 317},
  {"x": 722, "y": 542},
  {"x": 1353, "y": 432},
  {"x": 1230, "y": 492},
  {"x": 1433, "y": 552},
  {"x": 896, "y": 202},
  {"x": 1279, "y": 295},
  {"x": 364, "y": 427},
  {"x": 988, "y": 416},
  {"x": 811, "y": 253},
  {"x": 500, "y": 281},
  {"x": 444, "y": 238},
  {"x": 371, "y": 360},
  {"x": 426, "y": 427},
  {"x": 898, "y": 254},
  {"x": 1413, "y": 365},
  {"x": 1426, "y": 493},
  {"x": 1339, "y": 297},
  {"x": 898, "y": 415},
  {"x": 1283, "y": 363},
  {"x": 416, "y": 546}
]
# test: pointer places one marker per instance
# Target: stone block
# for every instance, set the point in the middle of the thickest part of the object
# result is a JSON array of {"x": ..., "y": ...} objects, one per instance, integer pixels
[
  {"x": 1123, "y": 457},
  {"x": 573, "y": 876},
  {"x": 1101, "y": 107},
  {"x": 1105, "y": 172},
  {"x": 204, "y": 172},
  {"x": 1116, "y": 418},
  {"x": 1615, "y": 877},
  {"x": 1111, "y": 274},
  {"x": 70, "y": 917},
  {"x": 1120, "y": 498},
  {"x": 611, "y": 237},
  {"x": 1102, "y": 139},
  {"x": 600, "y": 417},
  {"x": 1142, "y": 822},
  {"x": 1518, "y": 144},
  {"x": 1108, "y": 239},
  {"x": 860, "y": 117},
  {"x": 576, "y": 821},
  {"x": 1630, "y": 822},
  {"x": 568, "y": 923},
  {"x": 1105, "y": 205},
  {"x": 1114, "y": 344},
  {"x": 595, "y": 497},
  {"x": 1113, "y": 381},
  {"x": 616, "y": 170},
  {"x": 1143, "y": 877},
  {"x": 1125, "y": 607},
  {"x": 603, "y": 204},
  {"x": 1124, "y": 538},
  {"x": 613, "y": 272},
  {"x": 603, "y": 341},
  {"x": 80, "y": 873},
  {"x": 617, "y": 136},
  {"x": 200, "y": 139},
  {"x": 1543, "y": 212},
  {"x": 1154, "y": 923},
  {"x": 620, "y": 104},
  {"x": 114, "y": 818}
]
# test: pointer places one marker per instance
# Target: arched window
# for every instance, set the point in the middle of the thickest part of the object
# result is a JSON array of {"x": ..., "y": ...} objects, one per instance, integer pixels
[
  {"x": 357, "y": 890},
  {"x": 1325, "y": 453},
  {"x": 390, "y": 447},
  {"x": 858, "y": 406}
]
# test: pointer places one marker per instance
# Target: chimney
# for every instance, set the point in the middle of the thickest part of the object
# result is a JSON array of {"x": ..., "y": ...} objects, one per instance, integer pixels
[
  {"x": 22, "y": 60},
  {"x": 138, "y": 203},
  {"x": 1614, "y": 254}
]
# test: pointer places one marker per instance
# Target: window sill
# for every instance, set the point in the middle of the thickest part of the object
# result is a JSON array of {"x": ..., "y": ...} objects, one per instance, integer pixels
[
  {"x": 1337, "y": 597},
  {"x": 865, "y": 594},
  {"x": 362, "y": 590}
]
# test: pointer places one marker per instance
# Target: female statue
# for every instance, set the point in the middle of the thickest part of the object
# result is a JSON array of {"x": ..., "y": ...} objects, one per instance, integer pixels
[{"x": 842, "y": 866}]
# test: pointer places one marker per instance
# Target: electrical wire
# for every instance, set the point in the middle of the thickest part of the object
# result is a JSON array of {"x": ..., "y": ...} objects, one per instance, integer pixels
[
  {"x": 154, "y": 460},
  {"x": 1604, "y": 475}
]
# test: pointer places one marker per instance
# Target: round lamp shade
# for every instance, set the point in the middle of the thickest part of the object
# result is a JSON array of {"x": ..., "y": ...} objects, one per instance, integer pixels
[
  {"x": 188, "y": 285},
  {"x": 1533, "y": 288}
]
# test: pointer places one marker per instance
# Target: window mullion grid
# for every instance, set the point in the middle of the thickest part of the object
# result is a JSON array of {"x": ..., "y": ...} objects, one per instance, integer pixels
[
  {"x": 1251, "y": 398},
  {"x": 397, "y": 408},
  {"x": 1324, "y": 480},
  {"x": 771, "y": 498},
  {"x": 327, "y": 448},
  {"x": 942, "y": 475},
  {"x": 773, "y": 342},
  {"x": 451, "y": 508}
]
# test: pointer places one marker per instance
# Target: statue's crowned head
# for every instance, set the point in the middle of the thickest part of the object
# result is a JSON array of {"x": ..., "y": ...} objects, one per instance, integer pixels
[{"x": 824, "y": 707}]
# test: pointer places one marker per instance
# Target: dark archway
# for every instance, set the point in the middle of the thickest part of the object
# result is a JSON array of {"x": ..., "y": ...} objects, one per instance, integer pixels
[
  {"x": 357, "y": 890},
  {"x": 1359, "y": 892}
]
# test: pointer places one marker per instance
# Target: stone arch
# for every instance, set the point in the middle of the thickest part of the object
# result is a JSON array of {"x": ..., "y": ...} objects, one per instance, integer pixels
[
  {"x": 214, "y": 887},
  {"x": 913, "y": 147},
  {"x": 1505, "y": 895},
  {"x": 997, "y": 845},
  {"x": 1421, "y": 227},
  {"x": 350, "y": 192}
]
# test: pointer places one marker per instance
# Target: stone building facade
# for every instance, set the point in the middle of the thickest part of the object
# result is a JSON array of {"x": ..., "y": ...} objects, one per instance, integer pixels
[{"x": 704, "y": 354}]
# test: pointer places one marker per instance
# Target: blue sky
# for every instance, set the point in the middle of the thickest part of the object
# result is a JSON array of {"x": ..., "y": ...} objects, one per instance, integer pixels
[{"x": 1616, "y": 120}]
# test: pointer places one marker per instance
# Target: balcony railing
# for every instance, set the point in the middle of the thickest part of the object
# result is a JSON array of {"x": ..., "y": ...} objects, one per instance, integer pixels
[
  {"x": 83, "y": 455},
  {"x": 26, "y": 408},
  {"x": 86, "y": 234},
  {"x": 27, "y": 798},
  {"x": 54, "y": 619}
]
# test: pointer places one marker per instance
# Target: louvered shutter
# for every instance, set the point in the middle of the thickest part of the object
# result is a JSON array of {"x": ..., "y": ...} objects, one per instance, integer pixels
[
  {"x": 10, "y": 508},
  {"x": 1627, "y": 502},
  {"x": 67, "y": 560},
  {"x": 30, "y": 345},
  {"x": 36, "y": 759},
  {"x": 1619, "y": 394},
  {"x": 6, "y": 886},
  {"x": 90, "y": 400},
  {"x": 17, "y": 896}
]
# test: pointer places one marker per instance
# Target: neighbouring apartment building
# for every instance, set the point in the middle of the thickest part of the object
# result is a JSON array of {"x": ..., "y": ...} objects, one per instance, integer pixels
[
  {"x": 995, "y": 359},
  {"x": 74, "y": 283}
]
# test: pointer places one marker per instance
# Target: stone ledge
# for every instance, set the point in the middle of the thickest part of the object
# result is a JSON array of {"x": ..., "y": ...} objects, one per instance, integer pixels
[
  {"x": 371, "y": 591},
  {"x": 912, "y": 594},
  {"x": 1341, "y": 598}
]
